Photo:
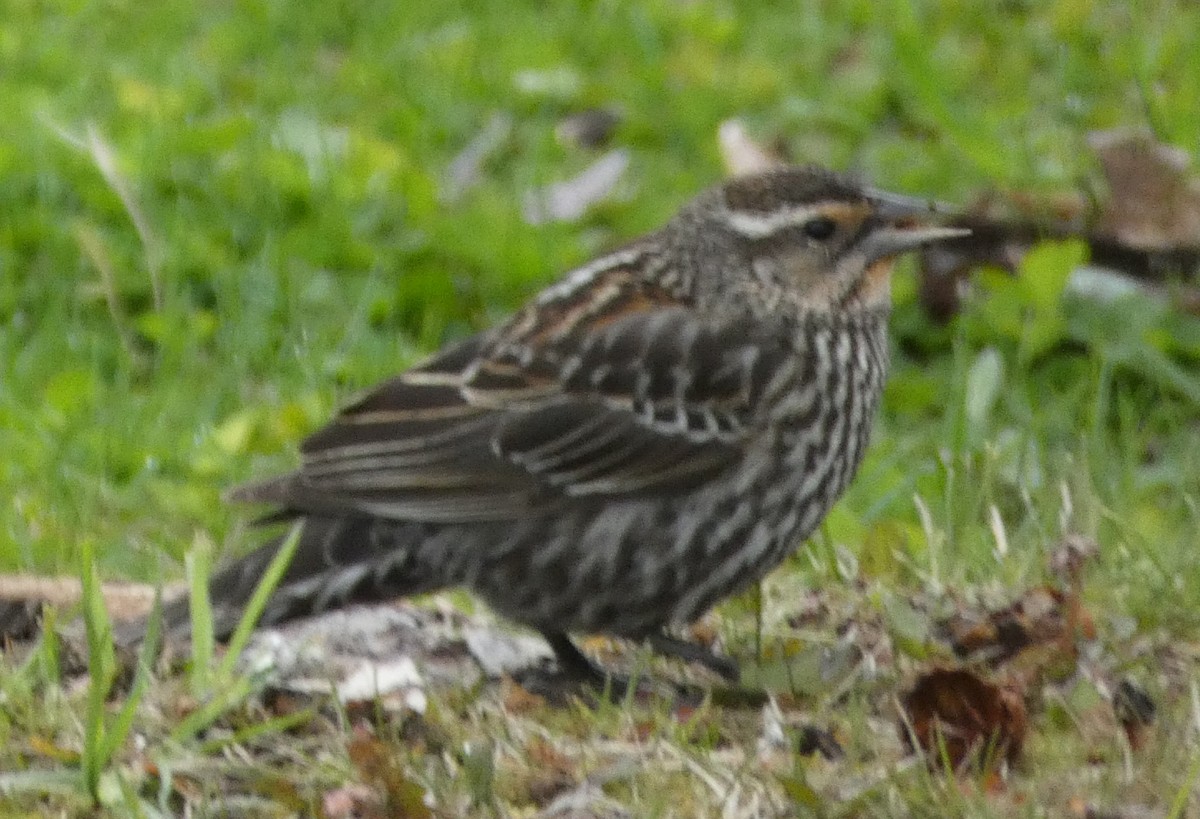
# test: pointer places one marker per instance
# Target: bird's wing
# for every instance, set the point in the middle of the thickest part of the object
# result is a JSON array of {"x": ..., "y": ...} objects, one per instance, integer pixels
[{"x": 612, "y": 390}]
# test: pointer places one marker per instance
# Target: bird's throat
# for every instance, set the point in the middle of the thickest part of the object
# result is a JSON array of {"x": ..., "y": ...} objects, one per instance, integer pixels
[{"x": 875, "y": 286}]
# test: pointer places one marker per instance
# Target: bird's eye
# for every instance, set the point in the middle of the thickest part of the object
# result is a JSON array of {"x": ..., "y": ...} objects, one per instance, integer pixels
[{"x": 820, "y": 228}]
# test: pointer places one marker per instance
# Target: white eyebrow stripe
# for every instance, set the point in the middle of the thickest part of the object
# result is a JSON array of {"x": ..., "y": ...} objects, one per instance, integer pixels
[{"x": 758, "y": 225}]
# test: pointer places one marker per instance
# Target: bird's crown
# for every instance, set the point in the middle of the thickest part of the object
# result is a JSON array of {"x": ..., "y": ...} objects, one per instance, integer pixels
[
  {"x": 786, "y": 188},
  {"x": 802, "y": 236}
]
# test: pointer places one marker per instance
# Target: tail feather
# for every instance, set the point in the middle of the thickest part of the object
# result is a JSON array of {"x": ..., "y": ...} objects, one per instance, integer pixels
[{"x": 338, "y": 562}]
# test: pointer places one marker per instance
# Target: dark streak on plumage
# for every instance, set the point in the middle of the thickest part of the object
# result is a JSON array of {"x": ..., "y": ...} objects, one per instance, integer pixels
[{"x": 645, "y": 438}]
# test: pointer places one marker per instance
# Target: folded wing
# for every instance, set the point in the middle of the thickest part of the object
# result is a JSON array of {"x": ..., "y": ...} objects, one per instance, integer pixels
[{"x": 615, "y": 390}]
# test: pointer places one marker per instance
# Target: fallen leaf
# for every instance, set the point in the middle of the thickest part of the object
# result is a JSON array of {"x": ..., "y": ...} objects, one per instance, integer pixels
[
  {"x": 1043, "y": 618},
  {"x": 1154, "y": 200},
  {"x": 569, "y": 200},
  {"x": 956, "y": 716},
  {"x": 554, "y": 772},
  {"x": 380, "y": 768},
  {"x": 282, "y": 703},
  {"x": 465, "y": 170},
  {"x": 519, "y": 700},
  {"x": 1144, "y": 234},
  {"x": 545, "y": 786}
]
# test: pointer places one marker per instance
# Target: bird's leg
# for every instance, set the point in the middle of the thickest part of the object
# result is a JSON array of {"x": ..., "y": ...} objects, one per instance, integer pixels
[
  {"x": 574, "y": 670},
  {"x": 670, "y": 646},
  {"x": 573, "y": 662}
]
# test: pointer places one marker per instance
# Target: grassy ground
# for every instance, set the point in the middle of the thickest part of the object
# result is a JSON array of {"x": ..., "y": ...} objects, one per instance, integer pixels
[{"x": 218, "y": 220}]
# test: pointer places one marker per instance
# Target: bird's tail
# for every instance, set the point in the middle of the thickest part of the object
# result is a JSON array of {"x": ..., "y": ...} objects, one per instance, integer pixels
[{"x": 337, "y": 562}]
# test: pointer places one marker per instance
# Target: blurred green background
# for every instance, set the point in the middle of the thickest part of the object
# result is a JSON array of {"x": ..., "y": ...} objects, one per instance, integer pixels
[{"x": 219, "y": 219}]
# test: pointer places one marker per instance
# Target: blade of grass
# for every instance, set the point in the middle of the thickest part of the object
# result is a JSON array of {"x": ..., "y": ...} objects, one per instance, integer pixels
[
  {"x": 232, "y": 689},
  {"x": 118, "y": 731},
  {"x": 210, "y": 712},
  {"x": 133, "y": 804},
  {"x": 101, "y": 669},
  {"x": 197, "y": 566},
  {"x": 106, "y": 162},
  {"x": 258, "y": 601},
  {"x": 43, "y": 665},
  {"x": 1180, "y": 803},
  {"x": 40, "y": 782},
  {"x": 271, "y": 726}
]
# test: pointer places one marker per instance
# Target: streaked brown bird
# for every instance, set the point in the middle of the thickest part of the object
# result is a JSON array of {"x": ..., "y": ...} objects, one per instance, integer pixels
[{"x": 653, "y": 433}]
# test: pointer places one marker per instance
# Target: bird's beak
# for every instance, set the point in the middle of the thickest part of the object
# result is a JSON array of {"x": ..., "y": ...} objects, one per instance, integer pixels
[
  {"x": 891, "y": 206},
  {"x": 886, "y": 241},
  {"x": 899, "y": 227}
]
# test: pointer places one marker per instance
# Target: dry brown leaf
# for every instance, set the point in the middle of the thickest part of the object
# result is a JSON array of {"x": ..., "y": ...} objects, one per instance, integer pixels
[
  {"x": 956, "y": 716},
  {"x": 283, "y": 703},
  {"x": 1037, "y": 634},
  {"x": 1147, "y": 229},
  {"x": 554, "y": 771},
  {"x": 1154, "y": 199},
  {"x": 383, "y": 772},
  {"x": 519, "y": 700}
]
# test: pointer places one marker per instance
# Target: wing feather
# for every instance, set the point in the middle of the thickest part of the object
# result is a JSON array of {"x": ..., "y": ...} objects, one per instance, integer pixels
[{"x": 632, "y": 392}]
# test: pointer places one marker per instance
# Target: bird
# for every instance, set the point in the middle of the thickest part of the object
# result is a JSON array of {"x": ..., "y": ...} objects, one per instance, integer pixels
[{"x": 652, "y": 433}]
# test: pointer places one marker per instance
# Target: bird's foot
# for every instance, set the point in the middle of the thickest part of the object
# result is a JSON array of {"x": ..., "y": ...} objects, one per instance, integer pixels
[
  {"x": 689, "y": 652},
  {"x": 560, "y": 688},
  {"x": 576, "y": 676}
]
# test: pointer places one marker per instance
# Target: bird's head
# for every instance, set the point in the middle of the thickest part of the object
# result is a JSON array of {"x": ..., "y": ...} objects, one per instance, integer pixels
[{"x": 804, "y": 240}]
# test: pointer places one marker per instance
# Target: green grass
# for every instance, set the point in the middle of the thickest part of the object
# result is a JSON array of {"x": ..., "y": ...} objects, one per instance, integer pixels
[{"x": 219, "y": 220}]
